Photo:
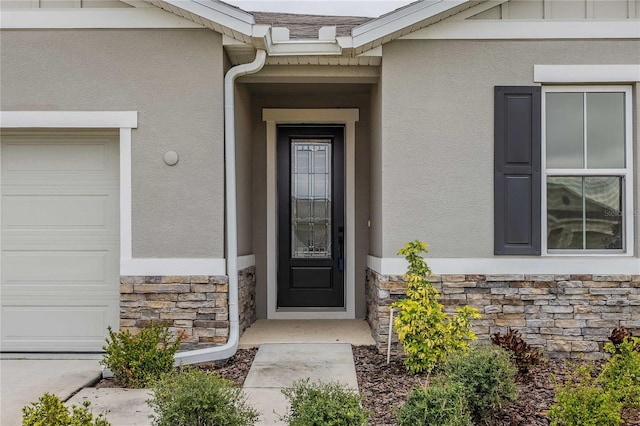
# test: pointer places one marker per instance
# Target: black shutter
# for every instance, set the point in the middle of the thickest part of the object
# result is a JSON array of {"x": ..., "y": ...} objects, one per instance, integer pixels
[{"x": 517, "y": 170}]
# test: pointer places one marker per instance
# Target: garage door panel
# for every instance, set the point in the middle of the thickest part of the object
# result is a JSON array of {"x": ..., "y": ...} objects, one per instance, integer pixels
[
  {"x": 40, "y": 211},
  {"x": 56, "y": 328},
  {"x": 46, "y": 211},
  {"x": 39, "y": 156},
  {"x": 82, "y": 268}
]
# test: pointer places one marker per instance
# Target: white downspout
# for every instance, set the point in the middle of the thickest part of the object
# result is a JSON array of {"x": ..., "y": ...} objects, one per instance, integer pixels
[{"x": 227, "y": 350}]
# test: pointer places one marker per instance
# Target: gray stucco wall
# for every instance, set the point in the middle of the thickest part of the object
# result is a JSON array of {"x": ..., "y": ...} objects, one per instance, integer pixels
[
  {"x": 244, "y": 170},
  {"x": 173, "y": 78},
  {"x": 331, "y": 97},
  {"x": 375, "y": 173},
  {"x": 437, "y": 133}
]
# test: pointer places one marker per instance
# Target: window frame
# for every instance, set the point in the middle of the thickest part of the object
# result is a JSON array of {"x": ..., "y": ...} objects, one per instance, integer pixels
[{"x": 626, "y": 173}]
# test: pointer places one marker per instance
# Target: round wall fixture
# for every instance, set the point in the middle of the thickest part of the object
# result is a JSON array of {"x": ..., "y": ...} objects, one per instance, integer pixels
[{"x": 171, "y": 158}]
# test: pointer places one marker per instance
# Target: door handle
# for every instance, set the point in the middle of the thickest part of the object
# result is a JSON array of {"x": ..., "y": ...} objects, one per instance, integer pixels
[{"x": 340, "y": 248}]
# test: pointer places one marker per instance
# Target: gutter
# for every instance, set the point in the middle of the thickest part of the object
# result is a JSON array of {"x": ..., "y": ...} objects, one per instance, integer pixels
[{"x": 227, "y": 350}]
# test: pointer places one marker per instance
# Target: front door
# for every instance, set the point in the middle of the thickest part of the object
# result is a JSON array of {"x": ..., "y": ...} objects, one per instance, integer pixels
[{"x": 311, "y": 216}]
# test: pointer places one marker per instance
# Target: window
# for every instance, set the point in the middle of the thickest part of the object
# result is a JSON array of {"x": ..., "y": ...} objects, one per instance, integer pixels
[
  {"x": 563, "y": 181},
  {"x": 587, "y": 164}
]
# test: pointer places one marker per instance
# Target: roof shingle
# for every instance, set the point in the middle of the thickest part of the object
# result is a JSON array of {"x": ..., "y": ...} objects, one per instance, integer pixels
[{"x": 307, "y": 26}]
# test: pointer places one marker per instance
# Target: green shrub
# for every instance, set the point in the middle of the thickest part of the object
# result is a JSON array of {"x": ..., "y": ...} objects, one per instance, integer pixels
[
  {"x": 195, "y": 397},
  {"x": 487, "y": 375},
  {"x": 581, "y": 402},
  {"x": 437, "y": 404},
  {"x": 621, "y": 373},
  {"x": 523, "y": 355},
  {"x": 136, "y": 360},
  {"x": 51, "y": 411},
  {"x": 425, "y": 331},
  {"x": 323, "y": 404}
]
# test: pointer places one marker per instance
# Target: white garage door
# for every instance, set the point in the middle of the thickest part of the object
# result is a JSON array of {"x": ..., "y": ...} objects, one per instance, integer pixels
[{"x": 60, "y": 240}]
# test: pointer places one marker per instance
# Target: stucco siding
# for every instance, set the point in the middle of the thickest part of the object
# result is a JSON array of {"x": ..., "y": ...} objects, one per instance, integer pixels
[
  {"x": 437, "y": 133},
  {"x": 375, "y": 177},
  {"x": 636, "y": 163},
  {"x": 244, "y": 170},
  {"x": 173, "y": 78}
]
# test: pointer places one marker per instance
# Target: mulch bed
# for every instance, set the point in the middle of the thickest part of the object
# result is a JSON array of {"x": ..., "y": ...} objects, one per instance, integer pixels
[{"x": 384, "y": 389}]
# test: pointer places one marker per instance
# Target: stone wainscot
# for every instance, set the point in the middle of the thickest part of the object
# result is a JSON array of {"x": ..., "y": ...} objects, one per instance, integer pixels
[
  {"x": 197, "y": 304},
  {"x": 567, "y": 315}
]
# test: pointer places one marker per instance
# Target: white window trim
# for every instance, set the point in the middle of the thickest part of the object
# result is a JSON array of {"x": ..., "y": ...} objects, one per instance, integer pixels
[
  {"x": 124, "y": 121},
  {"x": 348, "y": 117},
  {"x": 565, "y": 74},
  {"x": 626, "y": 173}
]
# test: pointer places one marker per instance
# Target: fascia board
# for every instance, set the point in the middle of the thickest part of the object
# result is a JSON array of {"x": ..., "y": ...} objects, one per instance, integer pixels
[
  {"x": 402, "y": 18},
  {"x": 214, "y": 11}
]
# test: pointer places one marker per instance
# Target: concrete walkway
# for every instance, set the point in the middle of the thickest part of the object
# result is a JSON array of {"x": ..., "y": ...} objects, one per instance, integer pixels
[
  {"x": 23, "y": 381},
  {"x": 277, "y": 366},
  {"x": 357, "y": 332},
  {"x": 122, "y": 407}
]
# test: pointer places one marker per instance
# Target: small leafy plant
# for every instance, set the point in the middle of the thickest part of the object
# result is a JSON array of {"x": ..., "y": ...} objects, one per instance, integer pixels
[
  {"x": 621, "y": 373},
  {"x": 425, "y": 331},
  {"x": 582, "y": 402},
  {"x": 137, "y": 360},
  {"x": 196, "y": 397},
  {"x": 443, "y": 404},
  {"x": 50, "y": 410},
  {"x": 323, "y": 404},
  {"x": 487, "y": 375},
  {"x": 522, "y": 353}
]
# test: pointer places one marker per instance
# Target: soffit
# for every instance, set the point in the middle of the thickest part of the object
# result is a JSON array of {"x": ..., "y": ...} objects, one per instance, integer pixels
[{"x": 245, "y": 53}]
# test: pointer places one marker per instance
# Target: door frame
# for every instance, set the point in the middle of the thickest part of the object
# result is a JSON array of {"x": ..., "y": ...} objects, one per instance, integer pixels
[{"x": 348, "y": 117}]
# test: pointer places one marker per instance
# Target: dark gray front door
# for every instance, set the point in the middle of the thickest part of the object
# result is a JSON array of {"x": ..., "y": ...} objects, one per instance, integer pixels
[{"x": 311, "y": 216}]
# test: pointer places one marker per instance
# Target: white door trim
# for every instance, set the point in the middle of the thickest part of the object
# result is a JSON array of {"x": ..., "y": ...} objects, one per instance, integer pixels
[
  {"x": 348, "y": 117},
  {"x": 122, "y": 120}
]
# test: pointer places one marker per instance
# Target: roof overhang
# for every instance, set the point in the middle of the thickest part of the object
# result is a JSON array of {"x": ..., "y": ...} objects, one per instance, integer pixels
[
  {"x": 406, "y": 20},
  {"x": 239, "y": 25},
  {"x": 218, "y": 16}
]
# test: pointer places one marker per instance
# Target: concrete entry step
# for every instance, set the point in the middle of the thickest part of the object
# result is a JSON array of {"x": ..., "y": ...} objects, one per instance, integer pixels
[
  {"x": 356, "y": 332},
  {"x": 277, "y": 366}
]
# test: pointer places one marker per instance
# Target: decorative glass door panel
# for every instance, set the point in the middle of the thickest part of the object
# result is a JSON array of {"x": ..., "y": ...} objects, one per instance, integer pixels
[
  {"x": 310, "y": 198},
  {"x": 310, "y": 216}
]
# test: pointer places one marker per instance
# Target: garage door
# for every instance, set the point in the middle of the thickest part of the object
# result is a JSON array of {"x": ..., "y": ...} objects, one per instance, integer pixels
[{"x": 60, "y": 240}]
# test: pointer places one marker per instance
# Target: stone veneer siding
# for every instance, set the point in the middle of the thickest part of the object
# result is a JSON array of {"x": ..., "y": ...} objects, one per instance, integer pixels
[
  {"x": 196, "y": 304},
  {"x": 247, "y": 297},
  {"x": 567, "y": 315}
]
